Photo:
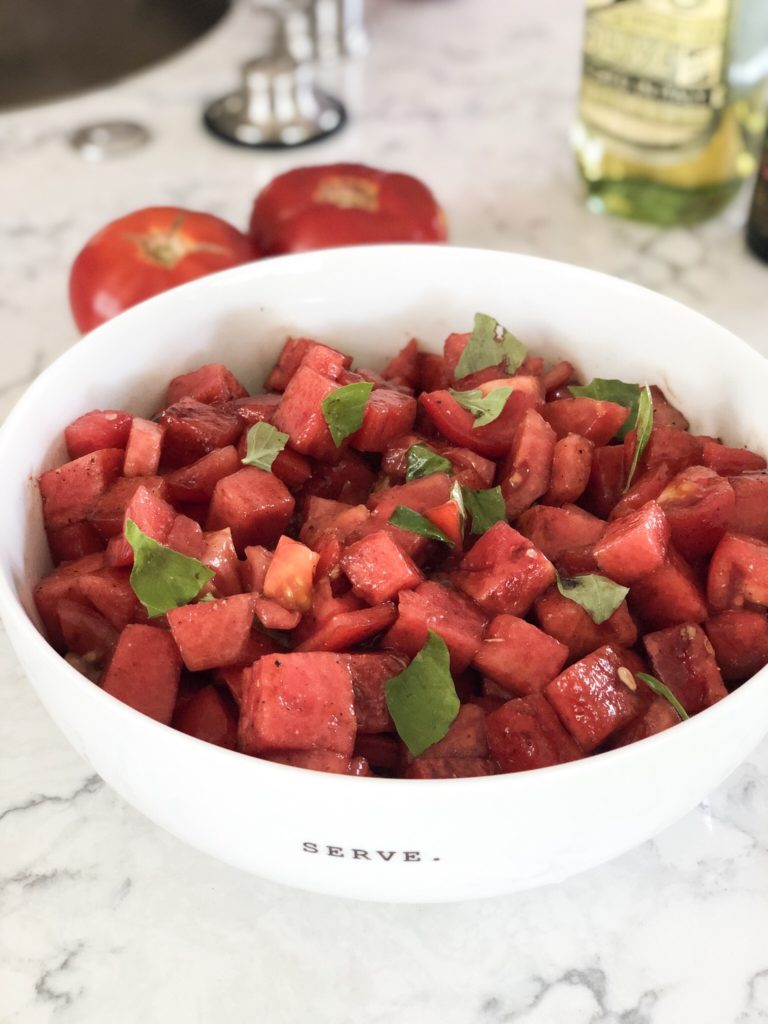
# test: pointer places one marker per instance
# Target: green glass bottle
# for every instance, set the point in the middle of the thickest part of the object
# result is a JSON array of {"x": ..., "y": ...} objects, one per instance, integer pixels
[{"x": 661, "y": 135}]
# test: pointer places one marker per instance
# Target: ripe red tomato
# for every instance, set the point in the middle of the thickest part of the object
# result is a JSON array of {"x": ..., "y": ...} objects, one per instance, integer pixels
[
  {"x": 146, "y": 252},
  {"x": 343, "y": 204}
]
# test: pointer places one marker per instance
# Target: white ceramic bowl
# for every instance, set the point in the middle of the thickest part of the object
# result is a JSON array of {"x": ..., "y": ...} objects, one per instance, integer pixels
[{"x": 415, "y": 841}]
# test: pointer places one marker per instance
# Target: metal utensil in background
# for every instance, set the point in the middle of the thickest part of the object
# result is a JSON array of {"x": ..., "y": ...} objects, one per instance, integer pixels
[
  {"x": 331, "y": 29},
  {"x": 278, "y": 104}
]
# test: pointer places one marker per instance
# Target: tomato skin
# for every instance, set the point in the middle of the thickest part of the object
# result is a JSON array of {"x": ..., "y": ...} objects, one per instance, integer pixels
[
  {"x": 147, "y": 252},
  {"x": 343, "y": 204}
]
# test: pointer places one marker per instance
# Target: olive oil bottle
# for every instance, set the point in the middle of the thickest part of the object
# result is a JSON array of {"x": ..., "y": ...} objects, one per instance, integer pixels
[{"x": 661, "y": 134}]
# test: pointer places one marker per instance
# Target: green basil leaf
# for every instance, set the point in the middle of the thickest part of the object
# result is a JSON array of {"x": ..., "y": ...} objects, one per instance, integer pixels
[
  {"x": 616, "y": 391},
  {"x": 643, "y": 428},
  {"x": 422, "y": 699},
  {"x": 414, "y": 522},
  {"x": 489, "y": 345},
  {"x": 344, "y": 409},
  {"x": 162, "y": 578},
  {"x": 598, "y": 596},
  {"x": 664, "y": 691},
  {"x": 422, "y": 461},
  {"x": 484, "y": 508},
  {"x": 485, "y": 408},
  {"x": 264, "y": 443}
]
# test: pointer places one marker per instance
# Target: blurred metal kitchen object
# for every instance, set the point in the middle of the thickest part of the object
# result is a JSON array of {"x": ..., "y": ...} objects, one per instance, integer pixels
[
  {"x": 327, "y": 30},
  {"x": 108, "y": 139},
  {"x": 278, "y": 104},
  {"x": 49, "y": 48}
]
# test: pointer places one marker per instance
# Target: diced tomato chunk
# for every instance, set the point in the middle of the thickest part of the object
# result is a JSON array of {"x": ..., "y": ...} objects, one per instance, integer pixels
[
  {"x": 645, "y": 487},
  {"x": 431, "y": 606},
  {"x": 698, "y": 504},
  {"x": 349, "y": 479},
  {"x": 666, "y": 444},
  {"x": 738, "y": 573},
  {"x": 196, "y": 481},
  {"x": 591, "y": 699},
  {"x": 526, "y": 733},
  {"x": 683, "y": 659},
  {"x": 750, "y": 513},
  {"x": 298, "y": 702},
  {"x": 219, "y": 554},
  {"x": 347, "y": 629},
  {"x": 387, "y": 414},
  {"x": 555, "y": 531},
  {"x": 664, "y": 413},
  {"x": 381, "y": 751},
  {"x": 449, "y": 519},
  {"x": 100, "y": 428},
  {"x": 254, "y": 504},
  {"x": 145, "y": 443},
  {"x": 730, "y": 461},
  {"x": 434, "y": 375},
  {"x": 144, "y": 671},
  {"x": 370, "y": 671},
  {"x": 300, "y": 414},
  {"x": 208, "y": 716},
  {"x": 504, "y": 572},
  {"x": 68, "y": 543},
  {"x": 740, "y": 640},
  {"x": 272, "y": 615},
  {"x": 606, "y": 480},
  {"x": 572, "y": 625},
  {"x": 192, "y": 429},
  {"x": 212, "y": 634},
  {"x": 571, "y": 466},
  {"x": 288, "y": 579},
  {"x": 557, "y": 376},
  {"x": 209, "y": 384},
  {"x": 519, "y": 657},
  {"x": 491, "y": 440},
  {"x": 668, "y": 596},
  {"x": 634, "y": 546},
  {"x": 404, "y": 367},
  {"x": 594, "y": 419},
  {"x": 324, "y": 519},
  {"x": 378, "y": 568},
  {"x": 525, "y": 474},
  {"x": 71, "y": 491}
]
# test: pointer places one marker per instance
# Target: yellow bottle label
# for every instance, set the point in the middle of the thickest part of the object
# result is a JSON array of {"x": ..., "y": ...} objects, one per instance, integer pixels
[{"x": 654, "y": 72}]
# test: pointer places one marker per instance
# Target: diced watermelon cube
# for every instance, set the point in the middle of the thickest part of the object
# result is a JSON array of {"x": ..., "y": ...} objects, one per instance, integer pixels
[
  {"x": 404, "y": 367},
  {"x": 288, "y": 361},
  {"x": 110, "y": 592},
  {"x": 634, "y": 546},
  {"x": 144, "y": 671},
  {"x": 145, "y": 443},
  {"x": 594, "y": 419},
  {"x": 254, "y": 504},
  {"x": 71, "y": 491},
  {"x": 212, "y": 634},
  {"x": 293, "y": 469},
  {"x": 325, "y": 360},
  {"x": 101, "y": 428},
  {"x": 254, "y": 408},
  {"x": 451, "y": 615},
  {"x": 151, "y": 514},
  {"x": 186, "y": 536},
  {"x": 591, "y": 700},
  {"x": 321, "y": 761},
  {"x": 669, "y": 596},
  {"x": 63, "y": 582},
  {"x": 209, "y": 384},
  {"x": 300, "y": 414},
  {"x": 740, "y": 640},
  {"x": 378, "y": 568},
  {"x": 68, "y": 543},
  {"x": 466, "y": 737},
  {"x": 298, "y": 702},
  {"x": 349, "y": 479},
  {"x": 730, "y": 461},
  {"x": 380, "y": 750},
  {"x": 434, "y": 375},
  {"x": 85, "y": 631},
  {"x": 192, "y": 429},
  {"x": 370, "y": 671},
  {"x": 571, "y": 466},
  {"x": 525, "y": 473},
  {"x": 519, "y": 657},
  {"x": 555, "y": 531},
  {"x": 658, "y": 716},
  {"x": 208, "y": 716},
  {"x": 683, "y": 659},
  {"x": 557, "y": 376},
  {"x": 347, "y": 629},
  {"x": 219, "y": 554},
  {"x": 196, "y": 481},
  {"x": 698, "y": 505},
  {"x": 738, "y": 573},
  {"x": 448, "y": 768},
  {"x": 606, "y": 480},
  {"x": 387, "y": 414},
  {"x": 492, "y": 440},
  {"x": 108, "y": 514},
  {"x": 526, "y": 733},
  {"x": 750, "y": 513},
  {"x": 324, "y": 519},
  {"x": 572, "y": 625},
  {"x": 504, "y": 572}
]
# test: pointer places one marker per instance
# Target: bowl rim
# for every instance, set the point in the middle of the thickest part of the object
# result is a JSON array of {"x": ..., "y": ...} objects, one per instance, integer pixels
[{"x": 19, "y": 623}]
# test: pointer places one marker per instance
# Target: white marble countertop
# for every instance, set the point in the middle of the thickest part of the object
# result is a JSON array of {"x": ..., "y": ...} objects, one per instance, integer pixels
[{"x": 104, "y": 917}]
